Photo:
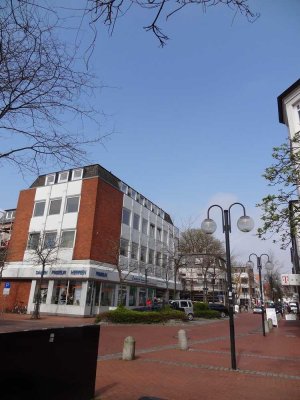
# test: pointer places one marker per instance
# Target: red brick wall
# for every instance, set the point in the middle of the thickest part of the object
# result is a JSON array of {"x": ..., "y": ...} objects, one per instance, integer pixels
[
  {"x": 99, "y": 222},
  {"x": 85, "y": 222},
  {"x": 107, "y": 224},
  {"x": 18, "y": 240},
  {"x": 18, "y": 294}
]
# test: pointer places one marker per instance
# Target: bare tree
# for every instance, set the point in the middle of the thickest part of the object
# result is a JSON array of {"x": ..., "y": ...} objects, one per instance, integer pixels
[
  {"x": 109, "y": 11},
  {"x": 43, "y": 95},
  {"x": 43, "y": 248}
]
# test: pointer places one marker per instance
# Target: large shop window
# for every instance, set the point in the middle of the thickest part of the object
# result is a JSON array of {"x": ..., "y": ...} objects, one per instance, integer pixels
[
  {"x": 44, "y": 291},
  {"x": 66, "y": 292},
  {"x": 142, "y": 297},
  {"x": 132, "y": 295},
  {"x": 108, "y": 294},
  {"x": 122, "y": 294}
]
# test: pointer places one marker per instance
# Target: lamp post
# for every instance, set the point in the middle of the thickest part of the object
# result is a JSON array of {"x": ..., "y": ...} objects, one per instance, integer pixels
[
  {"x": 268, "y": 266},
  {"x": 244, "y": 224}
]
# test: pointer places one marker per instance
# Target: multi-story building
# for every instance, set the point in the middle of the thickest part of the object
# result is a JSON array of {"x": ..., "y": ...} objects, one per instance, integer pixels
[
  {"x": 244, "y": 285},
  {"x": 6, "y": 223},
  {"x": 109, "y": 241},
  {"x": 289, "y": 114}
]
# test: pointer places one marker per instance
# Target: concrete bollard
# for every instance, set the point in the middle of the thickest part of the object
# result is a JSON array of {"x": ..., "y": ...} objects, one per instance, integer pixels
[
  {"x": 267, "y": 330},
  {"x": 270, "y": 323},
  {"x": 182, "y": 340},
  {"x": 129, "y": 349}
]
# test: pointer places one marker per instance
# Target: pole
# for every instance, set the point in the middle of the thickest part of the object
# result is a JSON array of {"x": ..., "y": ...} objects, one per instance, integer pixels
[
  {"x": 230, "y": 294},
  {"x": 261, "y": 297}
]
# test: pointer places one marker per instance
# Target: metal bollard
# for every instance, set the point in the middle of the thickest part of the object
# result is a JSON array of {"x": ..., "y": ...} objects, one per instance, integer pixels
[
  {"x": 182, "y": 340},
  {"x": 129, "y": 349}
]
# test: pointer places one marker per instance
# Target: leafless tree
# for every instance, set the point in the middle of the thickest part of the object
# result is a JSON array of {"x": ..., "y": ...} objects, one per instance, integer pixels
[
  {"x": 109, "y": 11},
  {"x": 43, "y": 251},
  {"x": 44, "y": 101}
]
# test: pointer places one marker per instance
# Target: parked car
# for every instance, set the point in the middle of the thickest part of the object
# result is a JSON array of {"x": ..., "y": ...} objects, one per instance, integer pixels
[
  {"x": 183, "y": 305},
  {"x": 223, "y": 310},
  {"x": 294, "y": 306},
  {"x": 257, "y": 310}
]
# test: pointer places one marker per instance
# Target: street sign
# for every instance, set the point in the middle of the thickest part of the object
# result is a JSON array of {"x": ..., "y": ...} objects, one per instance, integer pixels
[
  {"x": 290, "y": 279},
  {"x": 7, "y": 285}
]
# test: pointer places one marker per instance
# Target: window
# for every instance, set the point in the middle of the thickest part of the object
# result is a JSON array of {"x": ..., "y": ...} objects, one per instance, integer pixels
[
  {"x": 123, "y": 187},
  {"x": 165, "y": 236},
  {"x": 165, "y": 260},
  {"x": 63, "y": 177},
  {"x": 49, "y": 240},
  {"x": 9, "y": 215},
  {"x": 152, "y": 230},
  {"x": 126, "y": 216},
  {"x": 136, "y": 221},
  {"x": 158, "y": 234},
  {"x": 55, "y": 207},
  {"x": 77, "y": 174},
  {"x": 143, "y": 256},
  {"x": 33, "y": 241},
  {"x": 67, "y": 239},
  {"x": 134, "y": 250},
  {"x": 50, "y": 179},
  {"x": 298, "y": 110},
  {"x": 124, "y": 244},
  {"x": 43, "y": 293},
  {"x": 151, "y": 256},
  {"x": 72, "y": 204},
  {"x": 158, "y": 258},
  {"x": 66, "y": 293},
  {"x": 145, "y": 226},
  {"x": 108, "y": 294},
  {"x": 39, "y": 209}
]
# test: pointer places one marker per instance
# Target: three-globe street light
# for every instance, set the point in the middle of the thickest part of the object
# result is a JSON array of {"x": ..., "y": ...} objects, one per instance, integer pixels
[
  {"x": 269, "y": 267},
  {"x": 244, "y": 224}
]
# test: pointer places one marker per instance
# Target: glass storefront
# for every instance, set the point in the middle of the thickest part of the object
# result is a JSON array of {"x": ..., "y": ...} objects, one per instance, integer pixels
[
  {"x": 44, "y": 291},
  {"x": 142, "y": 297},
  {"x": 132, "y": 295},
  {"x": 66, "y": 292},
  {"x": 108, "y": 294}
]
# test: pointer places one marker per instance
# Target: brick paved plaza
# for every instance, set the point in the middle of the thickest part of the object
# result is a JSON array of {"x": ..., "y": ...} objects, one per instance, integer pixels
[{"x": 268, "y": 367}]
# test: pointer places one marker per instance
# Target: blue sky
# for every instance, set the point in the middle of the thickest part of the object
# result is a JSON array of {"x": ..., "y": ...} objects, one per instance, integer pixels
[{"x": 194, "y": 122}]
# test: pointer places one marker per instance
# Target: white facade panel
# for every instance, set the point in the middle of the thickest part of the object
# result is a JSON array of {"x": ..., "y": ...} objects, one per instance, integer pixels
[
  {"x": 53, "y": 222},
  {"x": 74, "y": 188},
  {"x": 42, "y": 193},
  {"x": 69, "y": 221}
]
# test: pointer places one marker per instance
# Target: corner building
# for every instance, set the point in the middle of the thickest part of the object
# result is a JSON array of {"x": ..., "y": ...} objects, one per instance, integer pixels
[{"x": 102, "y": 227}]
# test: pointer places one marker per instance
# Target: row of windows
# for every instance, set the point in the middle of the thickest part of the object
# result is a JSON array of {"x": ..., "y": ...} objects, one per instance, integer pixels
[
  {"x": 48, "y": 240},
  {"x": 143, "y": 224},
  {"x": 142, "y": 253},
  {"x": 72, "y": 204},
  {"x": 64, "y": 176},
  {"x": 141, "y": 199}
]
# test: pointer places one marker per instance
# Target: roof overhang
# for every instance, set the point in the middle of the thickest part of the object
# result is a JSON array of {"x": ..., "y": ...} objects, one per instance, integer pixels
[{"x": 281, "y": 97}]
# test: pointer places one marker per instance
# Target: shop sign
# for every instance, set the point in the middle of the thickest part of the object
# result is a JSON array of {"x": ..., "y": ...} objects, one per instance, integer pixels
[
  {"x": 78, "y": 272},
  {"x": 138, "y": 278},
  {"x": 290, "y": 279},
  {"x": 58, "y": 272},
  {"x": 38, "y": 272},
  {"x": 101, "y": 274},
  {"x": 6, "y": 288}
]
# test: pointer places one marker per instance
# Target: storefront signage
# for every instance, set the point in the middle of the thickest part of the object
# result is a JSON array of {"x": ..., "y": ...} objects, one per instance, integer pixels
[
  {"x": 138, "y": 278},
  {"x": 102, "y": 274},
  {"x": 78, "y": 272},
  {"x": 40, "y": 272},
  {"x": 290, "y": 279},
  {"x": 59, "y": 272}
]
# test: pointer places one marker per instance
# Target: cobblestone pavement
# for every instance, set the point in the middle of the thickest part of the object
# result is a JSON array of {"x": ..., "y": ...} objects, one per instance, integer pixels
[{"x": 268, "y": 367}]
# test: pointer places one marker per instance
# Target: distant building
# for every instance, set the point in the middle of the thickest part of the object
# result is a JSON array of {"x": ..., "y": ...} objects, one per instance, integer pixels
[
  {"x": 245, "y": 288},
  {"x": 100, "y": 225},
  {"x": 6, "y": 225}
]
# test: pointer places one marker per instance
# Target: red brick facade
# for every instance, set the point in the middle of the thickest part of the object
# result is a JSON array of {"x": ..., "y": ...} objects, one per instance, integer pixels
[
  {"x": 107, "y": 224},
  {"x": 18, "y": 294},
  {"x": 18, "y": 241},
  {"x": 99, "y": 222}
]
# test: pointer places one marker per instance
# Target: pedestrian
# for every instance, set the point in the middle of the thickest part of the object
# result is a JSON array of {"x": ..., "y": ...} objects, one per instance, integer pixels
[{"x": 149, "y": 303}]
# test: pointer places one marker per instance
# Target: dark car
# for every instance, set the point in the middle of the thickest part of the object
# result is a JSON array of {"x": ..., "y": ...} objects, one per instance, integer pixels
[
  {"x": 223, "y": 310},
  {"x": 257, "y": 310}
]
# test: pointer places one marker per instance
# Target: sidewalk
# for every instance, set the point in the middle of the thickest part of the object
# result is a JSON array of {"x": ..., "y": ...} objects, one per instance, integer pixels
[{"x": 268, "y": 367}]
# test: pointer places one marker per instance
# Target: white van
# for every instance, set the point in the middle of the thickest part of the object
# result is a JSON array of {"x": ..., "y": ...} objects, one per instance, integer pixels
[{"x": 183, "y": 305}]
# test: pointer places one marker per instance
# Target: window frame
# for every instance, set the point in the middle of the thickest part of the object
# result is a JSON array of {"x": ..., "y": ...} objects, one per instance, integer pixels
[
  {"x": 47, "y": 183},
  {"x": 28, "y": 240},
  {"x": 52, "y": 200},
  {"x": 125, "y": 248},
  {"x": 38, "y": 202},
  {"x": 136, "y": 221},
  {"x": 76, "y": 178},
  {"x": 125, "y": 209},
  {"x": 134, "y": 255},
  {"x": 61, "y": 237},
  {"x": 66, "y": 207},
  {"x": 60, "y": 180},
  {"x": 54, "y": 244}
]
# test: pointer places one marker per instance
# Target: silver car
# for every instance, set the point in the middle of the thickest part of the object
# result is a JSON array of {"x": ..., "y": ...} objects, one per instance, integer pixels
[{"x": 184, "y": 305}]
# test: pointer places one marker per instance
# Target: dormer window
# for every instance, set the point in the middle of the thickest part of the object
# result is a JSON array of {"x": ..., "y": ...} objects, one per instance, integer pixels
[
  {"x": 77, "y": 174},
  {"x": 50, "y": 179},
  {"x": 298, "y": 111},
  {"x": 63, "y": 177}
]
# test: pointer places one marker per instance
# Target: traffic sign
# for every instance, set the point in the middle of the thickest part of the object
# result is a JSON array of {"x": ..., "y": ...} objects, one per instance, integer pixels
[{"x": 7, "y": 285}]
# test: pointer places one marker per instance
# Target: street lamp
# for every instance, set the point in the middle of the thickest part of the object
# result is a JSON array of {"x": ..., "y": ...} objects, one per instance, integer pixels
[
  {"x": 269, "y": 267},
  {"x": 245, "y": 224}
]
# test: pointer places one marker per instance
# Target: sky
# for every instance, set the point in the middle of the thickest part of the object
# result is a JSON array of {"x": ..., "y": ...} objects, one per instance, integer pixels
[{"x": 193, "y": 123}]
